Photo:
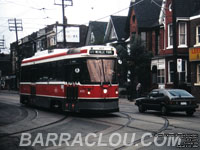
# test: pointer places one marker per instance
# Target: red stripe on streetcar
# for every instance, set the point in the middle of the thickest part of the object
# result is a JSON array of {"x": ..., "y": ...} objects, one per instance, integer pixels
[
  {"x": 53, "y": 56},
  {"x": 45, "y": 57}
]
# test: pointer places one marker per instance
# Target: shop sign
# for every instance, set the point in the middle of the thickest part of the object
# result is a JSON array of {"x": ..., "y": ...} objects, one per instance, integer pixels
[{"x": 194, "y": 54}]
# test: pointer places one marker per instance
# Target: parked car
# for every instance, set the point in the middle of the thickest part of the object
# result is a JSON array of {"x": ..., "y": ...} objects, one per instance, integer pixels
[{"x": 167, "y": 100}]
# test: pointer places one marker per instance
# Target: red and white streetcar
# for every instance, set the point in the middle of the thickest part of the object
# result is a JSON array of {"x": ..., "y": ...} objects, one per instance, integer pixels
[{"x": 77, "y": 79}]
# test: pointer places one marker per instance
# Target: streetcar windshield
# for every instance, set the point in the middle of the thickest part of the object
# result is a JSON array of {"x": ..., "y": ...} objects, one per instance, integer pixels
[{"x": 102, "y": 70}]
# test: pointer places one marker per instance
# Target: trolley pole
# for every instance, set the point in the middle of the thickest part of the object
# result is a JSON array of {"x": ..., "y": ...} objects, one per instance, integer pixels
[
  {"x": 63, "y": 4},
  {"x": 174, "y": 44},
  {"x": 16, "y": 25}
]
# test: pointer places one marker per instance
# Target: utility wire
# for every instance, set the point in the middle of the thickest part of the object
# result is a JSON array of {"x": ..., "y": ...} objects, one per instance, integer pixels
[
  {"x": 87, "y": 22},
  {"x": 118, "y": 11}
]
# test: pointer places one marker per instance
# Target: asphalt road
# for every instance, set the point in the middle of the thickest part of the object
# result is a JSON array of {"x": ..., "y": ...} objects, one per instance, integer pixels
[{"x": 35, "y": 128}]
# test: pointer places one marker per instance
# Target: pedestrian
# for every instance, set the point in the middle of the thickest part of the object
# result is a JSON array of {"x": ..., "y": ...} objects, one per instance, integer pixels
[{"x": 138, "y": 89}]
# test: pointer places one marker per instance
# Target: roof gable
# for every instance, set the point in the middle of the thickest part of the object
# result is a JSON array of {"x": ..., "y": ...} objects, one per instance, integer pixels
[
  {"x": 96, "y": 32},
  {"x": 116, "y": 29},
  {"x": 147, "y": 12}
]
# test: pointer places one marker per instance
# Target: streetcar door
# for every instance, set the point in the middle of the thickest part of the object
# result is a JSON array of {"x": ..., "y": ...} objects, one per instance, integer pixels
[{"x": 72, "y": 88}]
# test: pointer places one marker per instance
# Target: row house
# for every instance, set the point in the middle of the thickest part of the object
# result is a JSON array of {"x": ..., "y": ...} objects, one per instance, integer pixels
[
  {"x": 111, "y": 33},
  {"x": 152, "y": 20},
  {"x": 194, "y": 54}
]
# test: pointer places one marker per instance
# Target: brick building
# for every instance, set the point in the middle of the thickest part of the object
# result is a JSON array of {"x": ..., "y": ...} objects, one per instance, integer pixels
[
  {"x": 152, "y": 19},
  {"x": 195, "y": 55}
]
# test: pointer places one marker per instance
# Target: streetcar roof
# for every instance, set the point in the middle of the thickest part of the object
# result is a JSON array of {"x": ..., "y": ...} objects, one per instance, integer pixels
[{"x": 59, "y": 54}]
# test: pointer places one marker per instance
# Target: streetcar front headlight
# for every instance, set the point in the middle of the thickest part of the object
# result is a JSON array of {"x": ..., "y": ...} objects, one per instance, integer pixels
[
  {"x": 89, "y": 92},
  {"x": 117, "y": 92},
  {"x": 105, "y": 91}
]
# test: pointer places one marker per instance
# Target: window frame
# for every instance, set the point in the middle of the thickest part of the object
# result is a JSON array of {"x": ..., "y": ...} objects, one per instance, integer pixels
[
  {"x": 169, "y": 72},
  {"x": 143, "y": 36},
  {"x": 183, "y": 34},
  {"x": 170, "y": 35},
  {"x": 198, "y": 73},
  {"x": 179, "y": 74},
  {"x": 161, "y": 76},
  {"x": 198, "y": 35}
]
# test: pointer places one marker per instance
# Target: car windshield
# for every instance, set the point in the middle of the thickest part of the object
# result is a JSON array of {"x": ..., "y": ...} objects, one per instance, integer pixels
[{"x": 179, "y": 93}]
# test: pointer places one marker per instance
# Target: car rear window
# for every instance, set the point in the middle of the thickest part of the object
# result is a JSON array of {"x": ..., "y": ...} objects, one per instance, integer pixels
[{"x": 179, "y": 93}]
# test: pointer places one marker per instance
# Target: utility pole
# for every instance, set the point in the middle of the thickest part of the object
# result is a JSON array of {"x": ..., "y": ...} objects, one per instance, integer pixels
[
  {"x": 64, "y": 4},
  {"x": 16, "y": 25},
  {"x": 174, "y": 44}
]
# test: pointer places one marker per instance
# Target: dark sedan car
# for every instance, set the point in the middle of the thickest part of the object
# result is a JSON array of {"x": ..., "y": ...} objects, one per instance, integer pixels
[{"x": 166, "y": 100}]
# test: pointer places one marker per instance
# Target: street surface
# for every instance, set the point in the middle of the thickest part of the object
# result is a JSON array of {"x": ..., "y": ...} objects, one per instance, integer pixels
[{"x": 98, "y": 132}]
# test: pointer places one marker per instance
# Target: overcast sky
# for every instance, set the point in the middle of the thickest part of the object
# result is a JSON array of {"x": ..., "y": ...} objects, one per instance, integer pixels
[{"x": 36, "y": 14}]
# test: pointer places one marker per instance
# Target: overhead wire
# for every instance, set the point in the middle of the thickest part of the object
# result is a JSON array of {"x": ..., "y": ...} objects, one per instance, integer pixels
[
  {"x": 118, "y": 11},
  {"x": 87, "y": 22}
]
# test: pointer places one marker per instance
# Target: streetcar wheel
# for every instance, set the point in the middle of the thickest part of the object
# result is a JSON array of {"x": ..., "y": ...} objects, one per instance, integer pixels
[
  {"x": 163, "y": 110},
  {"x": 141, "y": 108}
]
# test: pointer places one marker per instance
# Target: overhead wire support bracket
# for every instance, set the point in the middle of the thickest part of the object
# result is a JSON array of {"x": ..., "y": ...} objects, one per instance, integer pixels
[{"x": 66, "y": 2}]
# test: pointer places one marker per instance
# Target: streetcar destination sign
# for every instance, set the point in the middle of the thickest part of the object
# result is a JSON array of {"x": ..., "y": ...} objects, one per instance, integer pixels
[{"x": 102, "y": 52}]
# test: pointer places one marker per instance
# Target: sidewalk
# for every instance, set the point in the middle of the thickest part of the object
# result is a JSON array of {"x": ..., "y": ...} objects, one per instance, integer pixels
[{"x": 9, "y": 91}]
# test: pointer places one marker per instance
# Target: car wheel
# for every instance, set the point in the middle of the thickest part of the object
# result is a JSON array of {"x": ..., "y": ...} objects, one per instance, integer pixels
[
  {"x": 163, "y": 110},
  {"x": 141, "y": 108},
  {"x": 190, "y": 112}
]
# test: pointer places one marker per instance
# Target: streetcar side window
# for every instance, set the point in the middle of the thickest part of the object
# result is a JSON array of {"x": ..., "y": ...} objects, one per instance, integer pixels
[
  {"x": 60, "y": 71},
  {"x": 25, "y": 74},
  {"x": 33, "y": 73},
  {"x": 43, "y": 72}
]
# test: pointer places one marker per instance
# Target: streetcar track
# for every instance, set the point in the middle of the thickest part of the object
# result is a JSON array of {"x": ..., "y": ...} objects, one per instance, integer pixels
[
  {"x": 170, "y": 124},
  {"x": 23, "y": 111},
  {"x": 165, "y": 126},
  {"x": 36, "y": 128},
  {"x": 130, "y": 119},
  {"x": 122, "y": 126}
]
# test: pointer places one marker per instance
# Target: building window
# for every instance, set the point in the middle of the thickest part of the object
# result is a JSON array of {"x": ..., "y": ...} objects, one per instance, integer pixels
[
  {"x": 161, "y": 76},
  {"x": 113, "y": 34},
  {"x": 171, "y": 72},
  {"x": 143, "y": 38},
  {"x": 92, "y": 38},
  {"x": 170, "y": 35},
  {"x": 182, "y": 34},
  {"x": 198, "y": 35},
  {"x": 182, "y": 76},
  {"x": 133, "y": 19},
  {"x": 198, "y": 73}
]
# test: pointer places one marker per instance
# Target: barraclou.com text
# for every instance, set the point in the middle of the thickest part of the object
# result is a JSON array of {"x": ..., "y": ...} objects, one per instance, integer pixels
[{"x": 93, "y": 139}]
